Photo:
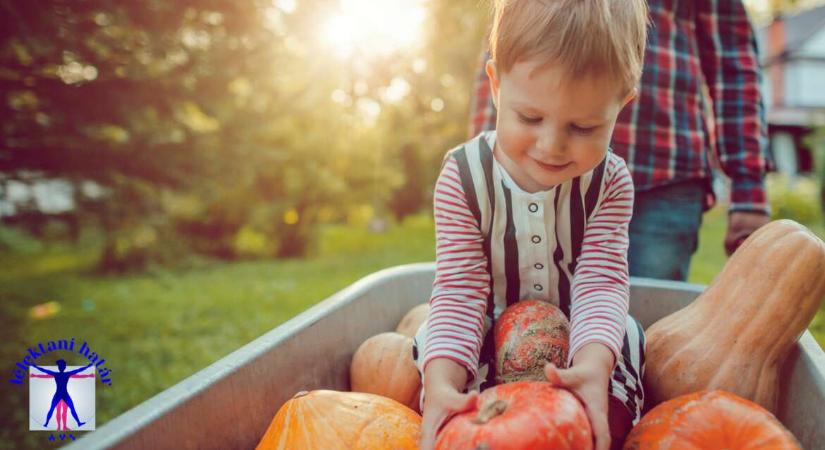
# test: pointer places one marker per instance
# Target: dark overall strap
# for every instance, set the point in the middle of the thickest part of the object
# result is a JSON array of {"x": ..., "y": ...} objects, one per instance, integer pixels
[
  {"x": 485, "y": 158},
  {"x": 488, "y": 347},
  {"x": 580, "y": 212}
]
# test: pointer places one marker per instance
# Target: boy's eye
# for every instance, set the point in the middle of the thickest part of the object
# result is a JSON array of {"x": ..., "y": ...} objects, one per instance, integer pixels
[
  {"x": 582, "y": 130},
  {"x": 528, "y": 119}
]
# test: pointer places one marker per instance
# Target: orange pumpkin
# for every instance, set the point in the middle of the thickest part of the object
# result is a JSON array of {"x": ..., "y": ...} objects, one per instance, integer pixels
[
  {"x": 413, "y": 319},
  {"x": 384, "y": 365},
  {"x": 521, "y": 415},
  {"x": 709, "y": 420},
  {"x": 333, "y": 420},
  {"x": 528, "y": 335}
]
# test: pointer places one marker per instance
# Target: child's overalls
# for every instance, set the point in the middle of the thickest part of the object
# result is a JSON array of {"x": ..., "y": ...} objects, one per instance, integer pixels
[{"x": 531, "y": 254}]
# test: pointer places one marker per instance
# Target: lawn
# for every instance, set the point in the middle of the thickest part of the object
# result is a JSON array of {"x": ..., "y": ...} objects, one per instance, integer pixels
[{"x": 156, "y": 328}]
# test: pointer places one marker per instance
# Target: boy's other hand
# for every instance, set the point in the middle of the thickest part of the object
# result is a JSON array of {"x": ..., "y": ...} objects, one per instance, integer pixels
[
  {"x": 441, "y": 402},
  {"x": 742, "y": 224},
  {"x": 588, "y": 382}
]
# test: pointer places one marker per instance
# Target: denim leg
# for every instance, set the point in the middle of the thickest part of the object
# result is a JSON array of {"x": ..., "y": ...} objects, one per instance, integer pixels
[{"x": 664, "y": 230}]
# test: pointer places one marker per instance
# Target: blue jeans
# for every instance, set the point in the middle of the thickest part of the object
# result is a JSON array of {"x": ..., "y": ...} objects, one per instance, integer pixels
[{"x": 664, "y": 230}]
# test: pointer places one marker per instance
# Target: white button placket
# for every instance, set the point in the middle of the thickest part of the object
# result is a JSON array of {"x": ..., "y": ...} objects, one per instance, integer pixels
[{"x": 538, "y": 231}]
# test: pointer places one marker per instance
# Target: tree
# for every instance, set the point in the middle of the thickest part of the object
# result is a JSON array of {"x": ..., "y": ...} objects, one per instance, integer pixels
[
  {"x": 224, "y": 126},
  {"x": 213, "y": 101}
]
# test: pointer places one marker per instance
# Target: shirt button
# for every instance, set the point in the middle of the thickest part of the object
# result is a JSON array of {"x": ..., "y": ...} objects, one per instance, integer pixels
[
  {"x": 537, "y": 287},
  {"x": 538, "y": 266},
  {"x": 533, "y": 207},
  {"x": 536, "y": 239}
]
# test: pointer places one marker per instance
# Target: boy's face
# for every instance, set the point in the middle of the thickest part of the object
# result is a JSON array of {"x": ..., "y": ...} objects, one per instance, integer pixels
[{"x": 551, "y": 129}]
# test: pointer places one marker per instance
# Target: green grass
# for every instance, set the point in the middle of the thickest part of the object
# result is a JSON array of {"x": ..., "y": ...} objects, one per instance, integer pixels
[
  {"x": 157, "y": 328},
  {"x": 710, "y": 256}
]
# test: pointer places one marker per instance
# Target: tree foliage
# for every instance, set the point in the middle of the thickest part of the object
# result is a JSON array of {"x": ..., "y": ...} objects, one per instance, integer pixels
[{"x": 224, "y": 127}]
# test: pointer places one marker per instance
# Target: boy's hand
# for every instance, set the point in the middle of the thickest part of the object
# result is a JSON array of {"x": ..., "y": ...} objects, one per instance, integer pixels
[
  {"x": 588, "y": 379},
  {"x": 444, "y": 380},
  {"x": 439, "y": 406}
]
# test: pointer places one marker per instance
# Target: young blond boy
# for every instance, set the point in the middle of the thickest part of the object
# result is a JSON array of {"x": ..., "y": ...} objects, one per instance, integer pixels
[{"x": 540, "y": 208}]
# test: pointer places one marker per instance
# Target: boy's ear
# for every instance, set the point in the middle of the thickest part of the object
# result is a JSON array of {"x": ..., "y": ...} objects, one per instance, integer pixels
[
  {"x": 630, "y": 96},
  {"x": 492, "y": 74}
]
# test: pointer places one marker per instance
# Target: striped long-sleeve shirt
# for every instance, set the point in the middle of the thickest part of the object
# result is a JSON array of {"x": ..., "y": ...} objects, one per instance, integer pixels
[
  {"x": 668, "y": 132},
  {"x": 567, "y": 245}
]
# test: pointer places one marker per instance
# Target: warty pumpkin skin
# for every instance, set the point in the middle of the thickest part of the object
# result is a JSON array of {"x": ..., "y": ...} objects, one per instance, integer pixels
[
  {"x": 709, "y": 421},
  {"x": 528, "y": 335},
  {"x": 413, "y": 319},
  {"x": 736, "y": 335},
  {"x": 333, "y": 420},
  {"x": 520, "y": 415},
  {"x": 384, "y": 365}
]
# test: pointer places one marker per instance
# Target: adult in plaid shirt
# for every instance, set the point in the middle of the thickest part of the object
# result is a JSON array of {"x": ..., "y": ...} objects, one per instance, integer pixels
[{"x": 672, "y": 131}]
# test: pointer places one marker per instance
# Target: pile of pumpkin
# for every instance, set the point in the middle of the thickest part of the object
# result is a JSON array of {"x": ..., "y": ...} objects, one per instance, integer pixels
[{"x": 712, "y": 370}]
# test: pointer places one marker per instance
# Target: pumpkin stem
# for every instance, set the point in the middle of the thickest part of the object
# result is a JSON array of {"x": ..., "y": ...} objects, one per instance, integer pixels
[{"x": 489, "y": 411}]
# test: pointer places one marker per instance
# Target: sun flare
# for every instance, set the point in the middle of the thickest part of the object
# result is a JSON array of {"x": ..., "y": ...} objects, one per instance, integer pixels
[{"x": 374, "y": 27}]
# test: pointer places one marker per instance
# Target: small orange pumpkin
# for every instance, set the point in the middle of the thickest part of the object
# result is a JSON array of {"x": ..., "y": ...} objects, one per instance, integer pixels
[
  {"x": 709, "y": 420},
  {"x": 384, "y": 365},
  {"x": 528, "y": 335},
  {"x": 333, "y": 420},
  {"x": 413, "y": 319}
]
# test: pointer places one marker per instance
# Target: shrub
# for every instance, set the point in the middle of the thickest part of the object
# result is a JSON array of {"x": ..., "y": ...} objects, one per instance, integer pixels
[{"x": 796, "y": 199}]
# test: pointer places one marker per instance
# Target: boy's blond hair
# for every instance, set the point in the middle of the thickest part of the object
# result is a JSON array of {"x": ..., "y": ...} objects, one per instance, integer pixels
[{"x": 584, "y": 36}]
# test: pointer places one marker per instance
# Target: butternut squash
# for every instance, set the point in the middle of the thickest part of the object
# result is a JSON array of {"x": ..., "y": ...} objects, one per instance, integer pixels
[{"x": 736, "y": 335}]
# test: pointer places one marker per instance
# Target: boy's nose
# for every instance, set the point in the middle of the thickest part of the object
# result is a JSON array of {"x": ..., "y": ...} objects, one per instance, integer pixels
[{"x": 550, "y": 143}]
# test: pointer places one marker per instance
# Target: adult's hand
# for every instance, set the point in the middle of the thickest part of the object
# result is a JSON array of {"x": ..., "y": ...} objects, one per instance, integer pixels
[{"x": 742, "y": 224}]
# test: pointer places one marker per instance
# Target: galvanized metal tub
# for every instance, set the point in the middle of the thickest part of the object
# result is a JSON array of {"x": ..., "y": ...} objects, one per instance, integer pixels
[{"x": 230, "y": 403}]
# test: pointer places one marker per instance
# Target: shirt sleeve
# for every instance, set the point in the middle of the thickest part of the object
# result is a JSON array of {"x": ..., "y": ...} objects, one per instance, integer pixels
[
  {"x": 601, "y": 284},
  {"x": 455, "y": 324},
  {"x": 730, "y": 63}
]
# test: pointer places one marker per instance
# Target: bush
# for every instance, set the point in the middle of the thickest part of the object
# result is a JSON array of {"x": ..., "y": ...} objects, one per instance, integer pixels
[
  {"x": 816, "y": 142},
  {"x": 796, "y": 199},
  {"x": 15, "y": 240}
]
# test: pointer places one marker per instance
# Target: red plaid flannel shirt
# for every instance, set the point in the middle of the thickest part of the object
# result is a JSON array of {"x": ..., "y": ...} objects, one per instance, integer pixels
[{"x": 664, "y": 134}]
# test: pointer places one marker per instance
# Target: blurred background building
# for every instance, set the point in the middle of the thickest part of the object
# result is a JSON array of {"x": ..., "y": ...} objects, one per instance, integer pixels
[{"x": 793, "y": 58}]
